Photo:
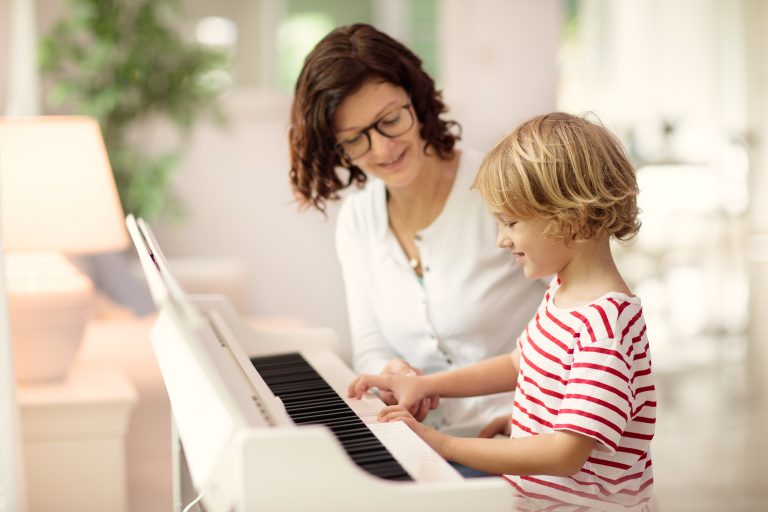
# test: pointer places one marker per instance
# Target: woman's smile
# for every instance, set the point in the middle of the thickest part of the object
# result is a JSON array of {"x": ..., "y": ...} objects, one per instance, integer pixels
[{"x": 393, "y": 164}]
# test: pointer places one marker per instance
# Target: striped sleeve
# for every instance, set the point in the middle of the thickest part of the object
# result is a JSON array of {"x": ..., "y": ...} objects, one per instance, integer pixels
[{"x": 598, "y": 397}]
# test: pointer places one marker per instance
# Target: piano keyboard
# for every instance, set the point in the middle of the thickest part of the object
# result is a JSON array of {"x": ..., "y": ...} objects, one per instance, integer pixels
[{"x": 309, "y": 400}]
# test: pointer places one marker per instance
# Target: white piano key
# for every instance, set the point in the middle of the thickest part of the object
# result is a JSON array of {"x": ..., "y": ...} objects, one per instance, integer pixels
[{"x": 416, "y": 456}]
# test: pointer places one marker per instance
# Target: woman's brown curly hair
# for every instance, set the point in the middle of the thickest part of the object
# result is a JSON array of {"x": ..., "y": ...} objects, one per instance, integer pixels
[{"x": 341, "y": 63}]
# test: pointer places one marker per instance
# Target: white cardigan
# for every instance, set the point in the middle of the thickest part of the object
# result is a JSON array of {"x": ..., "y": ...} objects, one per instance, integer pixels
[{"x": 472, "y": 304}]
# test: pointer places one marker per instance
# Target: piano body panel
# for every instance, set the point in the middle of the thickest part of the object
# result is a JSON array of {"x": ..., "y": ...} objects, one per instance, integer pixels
[
  {"x": 303, "y": 469},
  {"x": 316, "y": 344},
  {"x": 257, "y": 466},
  {"x": 241, "y": 450},
  {"x": 416, "y": 457},
  {"x": 259, "y": 342},
  {"x": 208, "y": 463}
]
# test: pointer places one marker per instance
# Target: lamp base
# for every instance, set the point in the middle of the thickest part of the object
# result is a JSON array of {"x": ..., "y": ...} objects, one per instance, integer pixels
[{"x": 47, "y": 323}]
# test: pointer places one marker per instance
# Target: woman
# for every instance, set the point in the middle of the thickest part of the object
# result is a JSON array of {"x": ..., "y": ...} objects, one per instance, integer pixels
[{"x": 427, "y": 289}]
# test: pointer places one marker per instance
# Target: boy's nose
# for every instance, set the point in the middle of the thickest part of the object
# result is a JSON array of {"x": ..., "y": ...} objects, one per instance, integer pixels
[{"x": 503, "y": 241}]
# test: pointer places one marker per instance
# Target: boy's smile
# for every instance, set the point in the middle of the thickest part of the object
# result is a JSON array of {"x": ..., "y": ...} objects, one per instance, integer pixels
[{"x": 539, "y": 255}]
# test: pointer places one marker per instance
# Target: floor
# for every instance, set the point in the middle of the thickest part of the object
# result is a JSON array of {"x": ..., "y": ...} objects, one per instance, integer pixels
[
  {"x": 706, "y": 305},
  {"x": 711, "y": 447}
]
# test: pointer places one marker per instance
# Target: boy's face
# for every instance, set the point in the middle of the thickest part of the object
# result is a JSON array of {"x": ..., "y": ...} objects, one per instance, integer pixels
[{"x": 538, "y": 254}]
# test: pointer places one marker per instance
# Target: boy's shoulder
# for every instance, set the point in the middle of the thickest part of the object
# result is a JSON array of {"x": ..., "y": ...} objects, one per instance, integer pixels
[{"x": 612, "y": 316}]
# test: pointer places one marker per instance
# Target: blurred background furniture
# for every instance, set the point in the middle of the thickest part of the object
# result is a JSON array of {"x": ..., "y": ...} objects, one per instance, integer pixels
[
  {"x": 74, "y": 435},
  {"x": 58, "y": 198}
]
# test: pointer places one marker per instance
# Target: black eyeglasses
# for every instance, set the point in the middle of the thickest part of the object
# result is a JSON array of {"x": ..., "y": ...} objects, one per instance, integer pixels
[{"x": 391, "y": 125}]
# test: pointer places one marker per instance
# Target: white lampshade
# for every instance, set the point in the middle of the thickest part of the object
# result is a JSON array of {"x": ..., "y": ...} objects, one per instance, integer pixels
[
  {"x": 57, "y": 187},
  {"x": 57, "y": 197}
]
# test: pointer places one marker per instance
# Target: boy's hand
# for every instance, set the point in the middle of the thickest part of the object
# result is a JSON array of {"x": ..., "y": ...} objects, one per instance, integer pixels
[
  {"x": 431, "y": 436},
  {"x": 406, "y": 389},
  {"x": 397, "y": 366},
  {"x": 500, "y": 425}
]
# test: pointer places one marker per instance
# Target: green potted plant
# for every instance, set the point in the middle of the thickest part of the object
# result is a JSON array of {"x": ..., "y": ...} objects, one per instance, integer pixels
[{"x": 123, "y": 63}]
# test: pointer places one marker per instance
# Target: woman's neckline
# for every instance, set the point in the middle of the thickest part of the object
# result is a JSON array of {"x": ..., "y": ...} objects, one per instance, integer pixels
[{"x": 455, "y": 166}]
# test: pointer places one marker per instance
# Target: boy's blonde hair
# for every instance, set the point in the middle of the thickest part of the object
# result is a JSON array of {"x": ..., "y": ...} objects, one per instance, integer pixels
[{"x": 566, "y": 169}]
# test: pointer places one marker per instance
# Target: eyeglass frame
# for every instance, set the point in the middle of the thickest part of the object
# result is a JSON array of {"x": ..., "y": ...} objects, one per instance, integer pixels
[{"x": 408, "y": 107}]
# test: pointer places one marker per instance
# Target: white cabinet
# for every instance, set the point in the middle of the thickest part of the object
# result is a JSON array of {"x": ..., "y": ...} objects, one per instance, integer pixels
[{"x": 74, "y": 440}]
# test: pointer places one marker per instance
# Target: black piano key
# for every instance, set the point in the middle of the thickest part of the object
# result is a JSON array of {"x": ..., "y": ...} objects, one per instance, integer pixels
[
  {"x": 325, "y": 416},
  {"x": 333, "y": 424},
  {"x": 295, "y": 387},
  {"x": 317, "y": 407},
  {"x": 359, "y": 448},
  {"x": 308, "y": 396},
  {"x": 371, "y": 457},
  {"x": 309, "y": 400},
  {"x": 388, "y": 471},
  {"x": 361, "y": 444},
  {"x": 347, "y": 435}
]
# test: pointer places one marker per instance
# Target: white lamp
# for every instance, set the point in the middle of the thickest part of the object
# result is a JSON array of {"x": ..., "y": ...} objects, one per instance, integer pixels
[{"x": 58, "y": 197}]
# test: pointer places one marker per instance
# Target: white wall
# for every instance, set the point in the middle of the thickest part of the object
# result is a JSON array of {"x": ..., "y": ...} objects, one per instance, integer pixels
[
  {"x": 497, "y": 60},
  {"x": 5, "y": 14},
  {"x": 641, "y": 64},
  {"x": 498, "y": 68},
  {"x": 12, "y": 483},
  {"x": 757, "y": 242},
  {"x": 234, "y": 183},
  {"x": 498, "y": 63}
]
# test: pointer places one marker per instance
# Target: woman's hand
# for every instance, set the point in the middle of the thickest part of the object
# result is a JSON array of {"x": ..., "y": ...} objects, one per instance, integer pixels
[
  {"x": 431, "y": 436},
  {"x": 500, "y": 425},
  {"x": 396, "y": 366},
  {"x": 419, "y": 410},
  {"x": 407, "y": 390}
]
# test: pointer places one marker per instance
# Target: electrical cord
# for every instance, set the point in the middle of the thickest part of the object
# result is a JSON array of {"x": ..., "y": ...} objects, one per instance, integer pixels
[{"x": 188, "y": 507}]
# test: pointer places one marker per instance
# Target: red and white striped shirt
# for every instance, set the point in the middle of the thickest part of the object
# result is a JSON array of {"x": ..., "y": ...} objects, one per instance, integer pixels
[{"x": 588, "y": 370}]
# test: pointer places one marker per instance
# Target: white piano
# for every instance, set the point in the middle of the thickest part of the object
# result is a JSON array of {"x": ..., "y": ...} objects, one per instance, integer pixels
[{"x": 265, "y": 423}]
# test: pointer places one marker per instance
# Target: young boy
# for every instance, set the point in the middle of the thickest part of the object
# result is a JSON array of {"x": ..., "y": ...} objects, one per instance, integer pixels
[{"x": 560, "y": 188}]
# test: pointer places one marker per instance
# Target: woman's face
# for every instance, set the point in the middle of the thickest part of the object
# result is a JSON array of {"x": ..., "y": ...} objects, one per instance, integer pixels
[{"x": 395, "y": 160}]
